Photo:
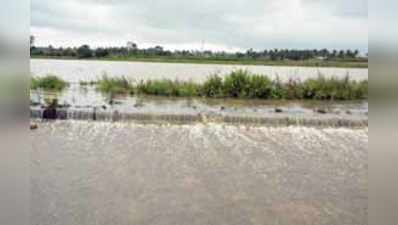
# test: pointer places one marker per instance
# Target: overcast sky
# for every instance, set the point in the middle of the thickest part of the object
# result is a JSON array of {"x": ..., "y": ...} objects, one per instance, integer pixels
[{"x": 185, "y": 24}]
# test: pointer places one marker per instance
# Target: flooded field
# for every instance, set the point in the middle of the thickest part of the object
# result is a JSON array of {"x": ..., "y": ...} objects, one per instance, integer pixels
[
  {"x": 88, "y": 98},
  {"x": 99, "y": 173},
  {"x": 203, "y": 172},
  {"x": 85, "y": 99},
  {"x": 78, "y": 70}
]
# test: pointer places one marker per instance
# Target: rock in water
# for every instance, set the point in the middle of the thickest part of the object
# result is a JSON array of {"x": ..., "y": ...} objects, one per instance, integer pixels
[
  {"x": 321, "y": 111},
  {"x": 33, "y": 126}
]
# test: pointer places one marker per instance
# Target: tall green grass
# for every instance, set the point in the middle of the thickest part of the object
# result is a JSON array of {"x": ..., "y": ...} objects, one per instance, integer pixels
[
  {"x": 213, "y": 87},
  {"x": 119, "y": 85},
  {"x": 243, "y": 84},
  {"x": 237, "y": 84},
  {"x": 334, "y": 89},
  {"x": 167, "y": 87}
]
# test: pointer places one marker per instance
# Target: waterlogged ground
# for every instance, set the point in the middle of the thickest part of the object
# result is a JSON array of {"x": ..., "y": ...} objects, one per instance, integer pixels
[
  {"x": 94, "y": 173},
  {"x": 86, "y": 98}
]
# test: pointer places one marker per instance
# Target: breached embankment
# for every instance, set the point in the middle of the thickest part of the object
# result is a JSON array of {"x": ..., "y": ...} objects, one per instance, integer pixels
[{"x": 266, "y": 120}]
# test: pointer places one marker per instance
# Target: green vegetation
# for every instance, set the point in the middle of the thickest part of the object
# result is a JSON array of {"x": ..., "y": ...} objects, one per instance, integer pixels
[
  {"x": 213, "y": 87},
  {"x": 333, "y": 88},
  {"x": 243, "y": 84},
  {"x": 114, "y": 85},
  {"x": 84, "y": 51},
  {"x": 49, "y": 82},
  {"x": 132, "y": 52},
  {"x": 238, "y": 84},
  {"x": 167, "y": 88}
]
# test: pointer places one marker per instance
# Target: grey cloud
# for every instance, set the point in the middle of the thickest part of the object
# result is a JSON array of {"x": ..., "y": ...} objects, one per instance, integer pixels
[{"x": 231, "y": 23}]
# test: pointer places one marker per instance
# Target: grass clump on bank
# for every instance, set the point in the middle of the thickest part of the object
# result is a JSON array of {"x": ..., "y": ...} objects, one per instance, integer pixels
[
  {"x": 243, "y": 84},
  {"x": 213, "y": 87},
  {"x": 49, "y": 82},
  {"x": 167, "y": 88},
  {"x": 237, "y": 84},
  {"x": 114, "y": 85},
  {"x": 334, "y": 89}
]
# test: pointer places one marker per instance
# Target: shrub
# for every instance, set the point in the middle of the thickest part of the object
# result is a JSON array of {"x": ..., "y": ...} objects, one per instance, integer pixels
[
  {"x": 237, "y": 84},
  {"x": 361, "y": 90},
  {"x": 294, "y": 89},
  {"x": 49, "y": 82},
  {"x": 213, "y": 87},
  {"x": 334, "y": 88},
  {"x": 187, "y": 89},
  {"x": 310, "y": 87},
  {"x": 259, "y": 87},
  {"x": 278, "y": 90}
]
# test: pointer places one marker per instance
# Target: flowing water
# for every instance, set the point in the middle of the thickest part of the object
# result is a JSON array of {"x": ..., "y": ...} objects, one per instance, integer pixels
[
  {"x": 86, "y": 103},
  {"x": 84, "y": 70},
  {"x": 121, "y": 173},
  {"x": 87, "y": 97},
  {"x": 100, "y": 173}
]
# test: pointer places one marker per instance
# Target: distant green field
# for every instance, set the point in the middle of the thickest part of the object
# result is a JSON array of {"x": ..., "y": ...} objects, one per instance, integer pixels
[{"x": 306, "y": 63}]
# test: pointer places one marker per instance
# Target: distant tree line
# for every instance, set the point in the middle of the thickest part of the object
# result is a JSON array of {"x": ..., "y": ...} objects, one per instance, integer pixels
[{"x": 131, "y": 50}]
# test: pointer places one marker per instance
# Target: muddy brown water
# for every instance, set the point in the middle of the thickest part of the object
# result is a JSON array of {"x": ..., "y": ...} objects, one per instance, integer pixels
[{"x": 101, "y": 173}]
